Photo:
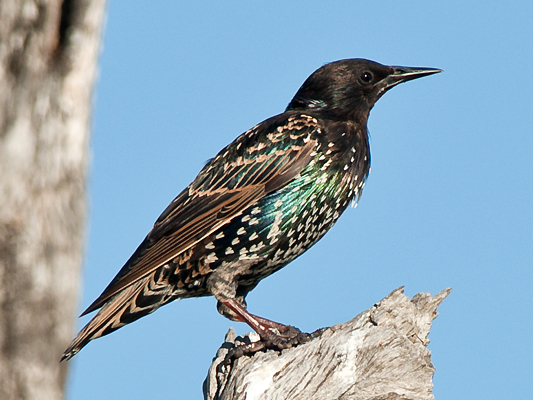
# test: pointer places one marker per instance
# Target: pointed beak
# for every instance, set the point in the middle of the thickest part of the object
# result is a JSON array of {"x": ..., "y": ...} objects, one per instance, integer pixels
[{"x": 404, "y": 74}]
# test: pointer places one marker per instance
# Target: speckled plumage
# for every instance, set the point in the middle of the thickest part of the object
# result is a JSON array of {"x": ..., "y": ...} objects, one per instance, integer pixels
[{"x": 261, "y": 202}]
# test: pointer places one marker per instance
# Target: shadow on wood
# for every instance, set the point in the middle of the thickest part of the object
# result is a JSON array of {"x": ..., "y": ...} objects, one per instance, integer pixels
[{"x": 381, "y": 355}]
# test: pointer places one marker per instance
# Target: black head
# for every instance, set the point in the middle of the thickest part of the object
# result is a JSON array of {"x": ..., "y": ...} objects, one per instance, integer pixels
[{"x": 348, "y": 89}]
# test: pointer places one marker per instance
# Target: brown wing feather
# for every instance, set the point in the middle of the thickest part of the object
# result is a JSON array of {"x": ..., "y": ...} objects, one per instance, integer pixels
[
  {"x": 196, "y": 213},
  {"x": 167, "y": 247},
  {"x": 109, "y": 317}
]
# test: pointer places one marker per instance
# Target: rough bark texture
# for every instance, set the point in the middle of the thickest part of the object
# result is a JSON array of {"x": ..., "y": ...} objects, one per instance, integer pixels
[
  {"x": 379, "y": 355},
  {"x": 48, "y": 56}
]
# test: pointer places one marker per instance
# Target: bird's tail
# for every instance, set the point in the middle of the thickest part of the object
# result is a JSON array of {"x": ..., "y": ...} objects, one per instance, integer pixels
[{"x": 130, "y": 304}]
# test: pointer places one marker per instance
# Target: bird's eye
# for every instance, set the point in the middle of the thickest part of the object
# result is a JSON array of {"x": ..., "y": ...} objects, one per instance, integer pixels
[{"x": 366, "y": 77}]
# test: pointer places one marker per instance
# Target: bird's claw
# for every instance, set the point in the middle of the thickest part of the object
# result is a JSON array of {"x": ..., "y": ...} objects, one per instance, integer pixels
[{"x": 289, "y": 336}]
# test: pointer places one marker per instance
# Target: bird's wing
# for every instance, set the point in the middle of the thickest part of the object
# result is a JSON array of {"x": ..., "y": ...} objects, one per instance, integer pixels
[{"x": 257, "y": 163}]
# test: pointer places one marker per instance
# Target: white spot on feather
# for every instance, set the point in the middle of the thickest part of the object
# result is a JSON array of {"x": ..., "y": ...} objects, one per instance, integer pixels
[
  {"x": 274, "y": 230},
  {"x": 211, "y": 258}
]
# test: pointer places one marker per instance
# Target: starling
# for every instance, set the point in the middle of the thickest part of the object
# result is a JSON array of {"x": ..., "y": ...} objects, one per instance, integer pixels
[{"x": 261, "y": 202}]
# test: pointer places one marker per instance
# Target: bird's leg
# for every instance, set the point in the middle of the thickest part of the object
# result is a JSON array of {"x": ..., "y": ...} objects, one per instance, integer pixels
[
  {"x": 288, "y": 330},
  {"x": 272, "y": 334},
  {"x": 283, "y": 330}
]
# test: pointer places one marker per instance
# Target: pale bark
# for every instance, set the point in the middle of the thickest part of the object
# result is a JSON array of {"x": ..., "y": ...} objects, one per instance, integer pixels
[
  {"x": 48, "y": 56},
  {"x": 379, "y": 355}
]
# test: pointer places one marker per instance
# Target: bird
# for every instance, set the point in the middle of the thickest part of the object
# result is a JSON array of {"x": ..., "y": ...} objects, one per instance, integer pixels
[{"x": 262, "y": 201}]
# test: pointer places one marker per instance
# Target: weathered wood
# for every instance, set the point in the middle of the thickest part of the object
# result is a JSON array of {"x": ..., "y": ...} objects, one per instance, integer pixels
[
  {"x": 48, "y": 56},
  {"x": 381, "y": 355}
]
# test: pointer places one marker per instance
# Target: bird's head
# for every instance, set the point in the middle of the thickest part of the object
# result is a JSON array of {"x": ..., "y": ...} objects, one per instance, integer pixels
[{"x": 348, "y": 89}]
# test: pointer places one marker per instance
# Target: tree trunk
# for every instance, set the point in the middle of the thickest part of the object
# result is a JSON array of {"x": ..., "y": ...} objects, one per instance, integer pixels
[
  {"x": 48, "y": 57},
  {"x": 379, "y": 355}
]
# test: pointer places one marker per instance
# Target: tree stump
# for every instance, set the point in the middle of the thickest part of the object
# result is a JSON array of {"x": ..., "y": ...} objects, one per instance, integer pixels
[{"x": 381, "y": 354}]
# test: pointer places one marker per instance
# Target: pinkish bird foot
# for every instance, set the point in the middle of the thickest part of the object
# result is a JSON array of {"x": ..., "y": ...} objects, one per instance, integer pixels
[
  {"x": 273, "y": 335},
  {"x": 287, "y": 337}
]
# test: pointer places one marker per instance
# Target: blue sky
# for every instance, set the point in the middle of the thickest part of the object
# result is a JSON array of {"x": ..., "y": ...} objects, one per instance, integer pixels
[{"x": 448, "y": 201}]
